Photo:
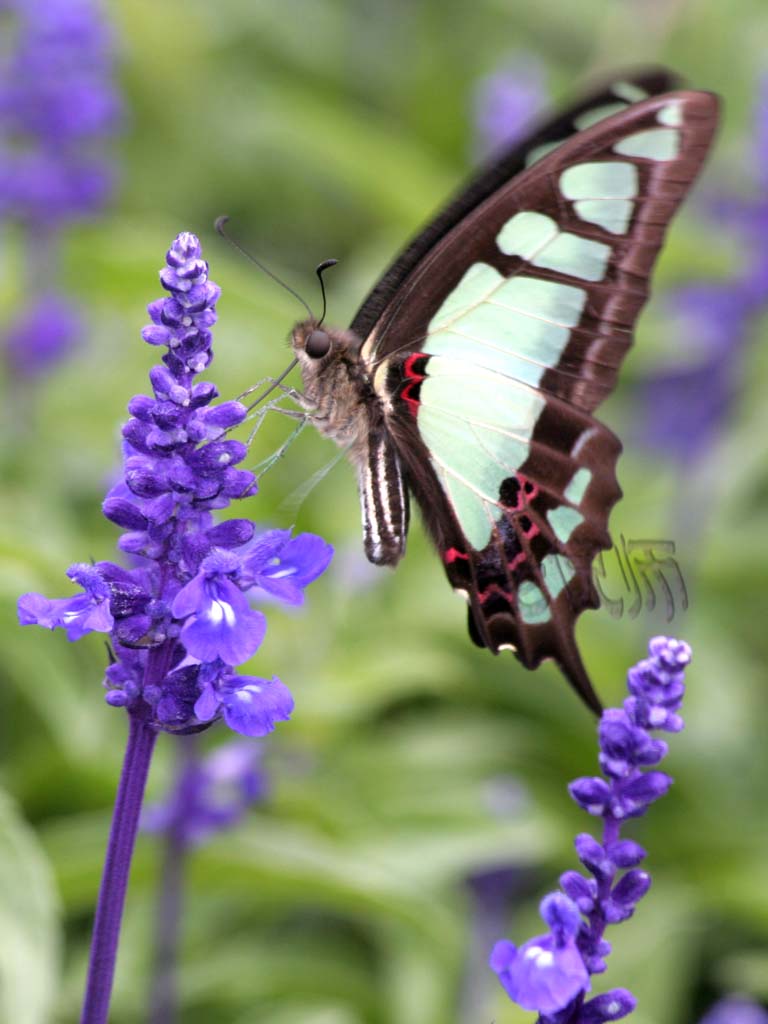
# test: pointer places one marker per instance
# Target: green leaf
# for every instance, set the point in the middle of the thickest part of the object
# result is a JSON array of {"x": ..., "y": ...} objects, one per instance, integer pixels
[{"x": 29, "y": 923}]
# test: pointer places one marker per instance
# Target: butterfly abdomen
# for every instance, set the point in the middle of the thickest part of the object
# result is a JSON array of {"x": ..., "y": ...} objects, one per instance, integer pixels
[{"x": 383, "y": 501}]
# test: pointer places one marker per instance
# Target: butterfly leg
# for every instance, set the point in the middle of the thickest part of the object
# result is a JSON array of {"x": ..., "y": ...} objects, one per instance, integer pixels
[
  {"x": 275, "y": 457},
  {"x": 383, "y": 500}
]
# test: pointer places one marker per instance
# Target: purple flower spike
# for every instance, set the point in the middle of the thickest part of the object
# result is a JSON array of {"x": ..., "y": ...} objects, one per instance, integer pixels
[
  {"x": 551, "y": 973},
  {"x": 58, "y": 109},
  {"x": 58, "y": 99},
  {"x": 180, "y": 620}
]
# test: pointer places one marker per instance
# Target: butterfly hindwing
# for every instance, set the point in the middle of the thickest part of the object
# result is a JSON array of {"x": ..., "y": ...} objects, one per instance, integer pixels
[{"x": 494, "y": 350}]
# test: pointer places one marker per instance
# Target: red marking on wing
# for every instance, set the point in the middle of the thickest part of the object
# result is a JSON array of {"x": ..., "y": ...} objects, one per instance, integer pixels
[
  {"x": 452, "y": 554},
  {"x": 527, "y": 490},
  {"x": 531, "y": 531},
  {"x": 519, "y": 558},
  {"x": 494, "y": 588},
  {"x": 414, "y": 378}
]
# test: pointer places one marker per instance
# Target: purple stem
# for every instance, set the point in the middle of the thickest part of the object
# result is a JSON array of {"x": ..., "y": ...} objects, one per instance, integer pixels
[
  {"x": 117, "y": 865},
  {"x": 122, "y": 838}
]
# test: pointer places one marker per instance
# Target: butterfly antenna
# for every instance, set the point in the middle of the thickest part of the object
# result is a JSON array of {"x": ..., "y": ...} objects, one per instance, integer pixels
[
  {"x": 220, "y": 222},
  {"x": 320, "y": 270}
]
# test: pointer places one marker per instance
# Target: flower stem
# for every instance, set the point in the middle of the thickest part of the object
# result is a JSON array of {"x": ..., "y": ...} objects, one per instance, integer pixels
[{"x": 114, "y": 880}]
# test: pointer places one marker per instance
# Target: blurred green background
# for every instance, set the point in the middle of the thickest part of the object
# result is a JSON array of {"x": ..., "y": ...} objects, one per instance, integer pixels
[{"x": 413, "y": 760}]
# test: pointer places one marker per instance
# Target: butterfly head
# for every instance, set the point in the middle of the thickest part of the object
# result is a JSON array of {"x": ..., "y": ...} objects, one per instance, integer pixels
[{"x": 317, "y": 346}]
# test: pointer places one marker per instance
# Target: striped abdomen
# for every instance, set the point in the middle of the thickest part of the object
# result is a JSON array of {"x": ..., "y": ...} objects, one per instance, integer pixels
[{"x": 383, "y": 500}]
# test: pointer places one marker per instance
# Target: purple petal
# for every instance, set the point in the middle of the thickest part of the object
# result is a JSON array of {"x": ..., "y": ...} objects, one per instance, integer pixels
[
  {"x": 610, "y": 1006},
  {"x": 256, "y": 705},
  {"x": 76, "y": 615},
  {"x": 226, "y": 630},
  {"x": 307, "y": 556},
  {"x": 630, "y": 889},
  {"x": 207, "y": 704},
  {"x": 592, "y": 794},
  {"x": 264, "y": 548},
  {"x": 190, "y": 598},
  {"x": 562, "y": 916},
  {"x": 542, "y": 976},
  {"x": 298, "y": 563},
  {"x": 583, "y": 891}
]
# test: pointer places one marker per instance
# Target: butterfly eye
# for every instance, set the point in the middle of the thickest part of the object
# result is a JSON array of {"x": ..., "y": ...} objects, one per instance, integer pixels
[{"x": 317, "y": 344}]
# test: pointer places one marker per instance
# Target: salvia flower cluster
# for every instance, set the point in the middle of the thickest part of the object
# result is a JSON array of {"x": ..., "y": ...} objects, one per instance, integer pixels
[
  {"x": 58, "y": 107},
  {"x": 180, "y": 619},
  {"x": 551, "y": 973}
]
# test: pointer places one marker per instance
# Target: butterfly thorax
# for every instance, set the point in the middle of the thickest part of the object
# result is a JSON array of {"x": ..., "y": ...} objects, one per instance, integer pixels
[{"x": 338, "y": 395}]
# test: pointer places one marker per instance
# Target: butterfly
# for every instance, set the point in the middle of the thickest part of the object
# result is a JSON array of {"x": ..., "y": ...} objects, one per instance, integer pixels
[{"x": 469, "y": 377}]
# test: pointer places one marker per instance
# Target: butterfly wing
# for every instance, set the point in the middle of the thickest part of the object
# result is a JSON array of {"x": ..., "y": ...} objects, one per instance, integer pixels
[
  {"x": 604, "y": 99},
  {"x": 495, "y": 348}
]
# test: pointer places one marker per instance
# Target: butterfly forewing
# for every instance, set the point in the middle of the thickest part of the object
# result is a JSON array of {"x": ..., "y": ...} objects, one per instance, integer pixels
[
  {"x": 602, "y": 101},
  {"x": 500, "y": 341}
]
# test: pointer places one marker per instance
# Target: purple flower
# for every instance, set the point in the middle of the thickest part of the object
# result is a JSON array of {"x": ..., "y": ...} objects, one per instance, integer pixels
[
  {"x": 506, "y": 102},
  {"x": 547, "y": 972},
  {"x": 211, "y": 793},
  {"x": 87, "y": 612},
  {"x": 550, "y": 974},
  {"x": 249, "y": 705},
  {"x": 283, "y": 565},
  {"x": 220, "y": 623},
  {"x": 180, "y": 620},
  {"x": 45, "y": 332},
  {"x": 735, "y": 1010}
]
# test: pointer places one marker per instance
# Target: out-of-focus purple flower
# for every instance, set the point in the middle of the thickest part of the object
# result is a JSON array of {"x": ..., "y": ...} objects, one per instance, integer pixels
[
  {"x": 44, "y": 334},
  {"x": 58, "y": 103},
  {"x": 58, "y": 108},
  {"x": 210, "y": 794},
  {"x": 551, "y": 973},
  {"x": 179, "y": 620},
  {"x": 506, "y": 101},
  {"x": 684, "y": 406},
  {"x": 735, "y": 1010}
]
